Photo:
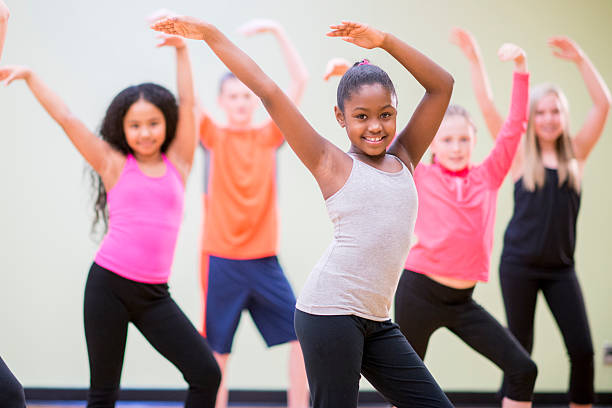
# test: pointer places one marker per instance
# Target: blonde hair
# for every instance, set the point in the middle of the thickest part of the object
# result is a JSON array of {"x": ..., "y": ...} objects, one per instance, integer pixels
[
  {"x": 534, "y": 174},
  {"x": 457, "y": 110}
]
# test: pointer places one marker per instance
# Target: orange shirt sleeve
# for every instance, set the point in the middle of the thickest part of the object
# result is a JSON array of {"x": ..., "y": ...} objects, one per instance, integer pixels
[{"x": 208, "y": 130}]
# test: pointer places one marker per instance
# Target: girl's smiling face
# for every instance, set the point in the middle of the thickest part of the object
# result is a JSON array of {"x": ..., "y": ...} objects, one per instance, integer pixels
[
  {"x": 454, "y": 143},
  {"x": 144, "y": 126},
  {"x": 548, "y": 119},
  {"x": 369, "y": 118}
]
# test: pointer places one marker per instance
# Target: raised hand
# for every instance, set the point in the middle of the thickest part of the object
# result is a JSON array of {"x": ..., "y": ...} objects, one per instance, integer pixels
[
  {"x": 184, "y": 26},
  {"x": 357, "y": 33},
  {"x": 4, "y": 11},
  {"x": 258, "y": 26},
  {"x": 565, "y": 48},
  {"x": 336, "y": 67},
  {"x": 9, "y": 74},
  {"x": 466, "y": 42},
  {"x": 170, "y": 41},
  {"x": 509, "y": 51}
]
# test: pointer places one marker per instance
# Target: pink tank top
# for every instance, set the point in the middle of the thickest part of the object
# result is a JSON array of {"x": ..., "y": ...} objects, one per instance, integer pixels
[{"x": 145, "y": 214}]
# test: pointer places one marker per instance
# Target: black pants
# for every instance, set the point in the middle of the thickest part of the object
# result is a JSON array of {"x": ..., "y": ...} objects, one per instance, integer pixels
[
  {"x": 11, "y": 392},
  {"x": 520, "y": 287},
  {"x": 423, "y": 305},
  {"x": 111, "y": 302},
  {"x": 337, "y": 349}
]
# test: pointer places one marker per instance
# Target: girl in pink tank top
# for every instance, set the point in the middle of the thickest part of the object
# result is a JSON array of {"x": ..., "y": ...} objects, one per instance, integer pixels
[{"x": 140, "y": 163}]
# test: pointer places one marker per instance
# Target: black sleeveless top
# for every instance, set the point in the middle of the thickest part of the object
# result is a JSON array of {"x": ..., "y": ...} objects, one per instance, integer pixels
[{"x": 542, "y": 231}]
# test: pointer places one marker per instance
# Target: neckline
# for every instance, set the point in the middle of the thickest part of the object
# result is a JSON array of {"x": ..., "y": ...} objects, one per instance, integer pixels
[
  {"x": 131, "y": 156},
  {"x": 455, "y": 173},
  {"x": 388, "y": 173}
]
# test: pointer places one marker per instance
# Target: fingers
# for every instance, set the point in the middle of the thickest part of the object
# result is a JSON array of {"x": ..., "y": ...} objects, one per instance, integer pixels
[{"x": 166, "y": 25}]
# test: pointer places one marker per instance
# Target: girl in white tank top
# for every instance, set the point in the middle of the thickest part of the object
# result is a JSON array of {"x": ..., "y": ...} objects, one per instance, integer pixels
[{"x": 342, "y": 321}]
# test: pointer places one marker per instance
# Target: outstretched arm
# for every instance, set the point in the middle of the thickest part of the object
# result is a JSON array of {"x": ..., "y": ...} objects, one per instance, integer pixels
[
  {"x": 4, "y": 17},
  {"x": 591, "y": 130},
  {"x": 182, "y": 148},
  {"x": 99, "y": 154},
  {"x": 326, "y": 162},
  {"x": 297, "y": 69},
  {"x": 480, "y": 80},
  {"x": 412, "y": 142},
  {"x": 504, "y": 157}
]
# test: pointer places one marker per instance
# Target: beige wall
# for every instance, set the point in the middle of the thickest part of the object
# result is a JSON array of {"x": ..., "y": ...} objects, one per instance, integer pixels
[{"x": 89, "y": 50}]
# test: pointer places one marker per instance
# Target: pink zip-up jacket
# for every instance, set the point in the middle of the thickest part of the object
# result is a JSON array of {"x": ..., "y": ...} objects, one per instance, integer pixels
[{"x": 454, "y": 226}]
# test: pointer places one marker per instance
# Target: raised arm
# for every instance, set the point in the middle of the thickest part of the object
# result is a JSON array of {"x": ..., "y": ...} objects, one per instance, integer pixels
[
  {"x": 319, "y": 155},
  {"x": 182, "y": 148},
  {"x": 4, "y": 17},
  {"x": 589, "y": 133},
  {"x": 297, "y": 69},
  {"x": 412, "y": 142},
  {"x": 503, "y": 156},
  {"x": 99, "y": 154},
  {"x": 480, "y": 80}
]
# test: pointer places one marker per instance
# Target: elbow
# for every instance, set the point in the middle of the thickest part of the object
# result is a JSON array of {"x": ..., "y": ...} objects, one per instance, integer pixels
[
  {"x": 4, "y": 16},
  {"x": 449, "y": 83},
  {"x": 446, "y": 84}
]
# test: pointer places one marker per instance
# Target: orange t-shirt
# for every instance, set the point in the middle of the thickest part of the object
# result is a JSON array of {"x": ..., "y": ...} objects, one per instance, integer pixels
[{"x": 240, "y": 216}]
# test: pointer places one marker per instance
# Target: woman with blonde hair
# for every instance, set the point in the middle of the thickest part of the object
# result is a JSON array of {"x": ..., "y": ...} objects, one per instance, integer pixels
[{"x": 539, "y": 242}]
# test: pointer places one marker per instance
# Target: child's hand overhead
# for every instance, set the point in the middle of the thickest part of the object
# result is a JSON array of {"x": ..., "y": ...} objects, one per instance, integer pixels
[
  {"x": 11, "y": 73},
  {"x": 184, "y": 26},
  {"x": 466, "y": 42},
  {"x": 336, "y": 67},
  {"x": 357, "y": 33},
  {"x": 170, "y": 41},
  {"x": 564, "y": 48},
  {"x": 509, "y": 51}
]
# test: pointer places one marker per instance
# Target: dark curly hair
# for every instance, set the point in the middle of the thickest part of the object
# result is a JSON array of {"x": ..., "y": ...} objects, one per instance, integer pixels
[
  {"x": 362, "y": 73},
  {"x": 111, "y": 130}
]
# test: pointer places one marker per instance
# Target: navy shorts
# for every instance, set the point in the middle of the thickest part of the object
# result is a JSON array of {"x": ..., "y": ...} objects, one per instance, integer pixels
[{"x": 257, "y": 285}]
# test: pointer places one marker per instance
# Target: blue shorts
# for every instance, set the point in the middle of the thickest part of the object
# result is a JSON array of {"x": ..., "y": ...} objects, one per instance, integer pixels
[{"x": 257, "y": 285}]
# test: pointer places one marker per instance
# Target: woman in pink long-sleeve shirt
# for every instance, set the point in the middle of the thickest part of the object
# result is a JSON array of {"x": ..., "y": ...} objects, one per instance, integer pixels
[{"x": 454, "y": 228}]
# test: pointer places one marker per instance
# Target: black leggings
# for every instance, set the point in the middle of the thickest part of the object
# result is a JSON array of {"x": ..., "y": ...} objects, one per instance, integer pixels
[
  {"x": 520, "y": 287},
  {"x": 423, "y": 305},
  {"x": 111, "y": 302},
  {"x": 337, "y": 349},
  {"x": 11, "y": 392}
]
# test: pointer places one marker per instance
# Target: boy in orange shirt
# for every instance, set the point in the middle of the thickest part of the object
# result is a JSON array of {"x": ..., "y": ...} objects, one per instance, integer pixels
[{"x": 239, "y": 266}]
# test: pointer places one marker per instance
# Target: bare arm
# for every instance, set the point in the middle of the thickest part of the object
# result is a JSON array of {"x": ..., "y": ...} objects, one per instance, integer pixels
[
  {"x": 4, "y": 17},
  {"x": 99, "y": 154},
  {"x": 182, "y": 148},
  {"x": 297, "y": 69},
  {"x": 591, "y": 130},
  {"x": 416, "y": 137},
  {"x": 412, "y": 142},
  {"x": 480, "y": 80},
  {"x": 319, "y": 155}
]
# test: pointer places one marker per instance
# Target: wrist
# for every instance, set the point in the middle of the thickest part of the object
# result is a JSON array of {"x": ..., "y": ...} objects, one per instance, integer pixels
[
  {"x": 520, "y": 63},
  {"x": 385, "y": 40}
]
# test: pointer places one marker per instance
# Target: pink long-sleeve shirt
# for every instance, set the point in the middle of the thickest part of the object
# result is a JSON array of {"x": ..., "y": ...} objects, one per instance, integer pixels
[{"x": 454, "y": 225}]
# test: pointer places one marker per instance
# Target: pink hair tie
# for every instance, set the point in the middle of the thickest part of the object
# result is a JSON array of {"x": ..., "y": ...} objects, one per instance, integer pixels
[{"x": 364, "y": 61}]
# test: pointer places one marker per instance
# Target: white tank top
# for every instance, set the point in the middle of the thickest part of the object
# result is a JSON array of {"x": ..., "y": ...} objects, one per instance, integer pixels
[{"x": 373, "y": 216}]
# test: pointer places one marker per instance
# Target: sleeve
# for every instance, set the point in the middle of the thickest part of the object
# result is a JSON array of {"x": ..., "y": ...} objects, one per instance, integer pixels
[
  {"x": 274, "y": 136},
  {"x": 208, "y": 130},
  {"x": 498, "y": 162}
]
